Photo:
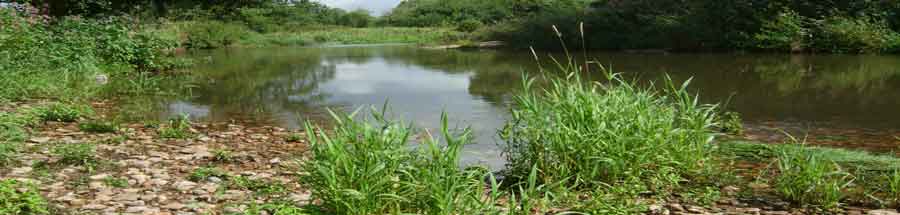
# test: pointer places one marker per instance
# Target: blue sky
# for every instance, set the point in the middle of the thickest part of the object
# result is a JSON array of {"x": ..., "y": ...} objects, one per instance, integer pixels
[{"x": 375, "y": 6}]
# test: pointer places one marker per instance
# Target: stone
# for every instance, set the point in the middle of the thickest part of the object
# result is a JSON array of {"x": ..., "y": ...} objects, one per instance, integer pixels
[
  {"x": 676, "y": 207},
  {"x": 21, "y": 171},
  {"x": 94, "y": 207},
  {"x": 883, "y": 212},
  {"x": 731, "y": 190},
  {"x": 39, "y": 140},
  {"x": 184, "y": 185},
  {"x": 173, "y": 206},
  {"x": 127, "y": 197},
  {"x": 99, "y": 177},
  {"x": 695, "y": 209}
]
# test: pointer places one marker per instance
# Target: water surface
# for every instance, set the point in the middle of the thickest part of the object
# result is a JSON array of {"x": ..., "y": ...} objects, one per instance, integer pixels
[{"x": 285, "y": 86}]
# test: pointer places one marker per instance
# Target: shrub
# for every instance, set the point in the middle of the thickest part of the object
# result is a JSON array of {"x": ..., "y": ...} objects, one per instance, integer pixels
[
  {"x": 469, "y": 25},
  {"x": 809, "y": 179},
  {"x": 854, "y": 35},
  {"x": 731, "y": 123},
  {"x": 213, "y": 34},
  {"x": 98, "y": 127},
  {"x": 787, "y": 32},
  {"x": 598, "y": 133},
  {"x": 366, "y": 167},
  {"x": 81, "y": 154},
  {"x": 21, "y": 198}
]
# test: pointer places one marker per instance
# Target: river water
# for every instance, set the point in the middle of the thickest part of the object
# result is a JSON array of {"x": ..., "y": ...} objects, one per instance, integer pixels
[{"x": 845, "y": 100}]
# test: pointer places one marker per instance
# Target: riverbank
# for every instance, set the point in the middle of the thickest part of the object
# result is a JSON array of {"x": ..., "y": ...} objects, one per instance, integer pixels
[{"x": 230, "y": 168}]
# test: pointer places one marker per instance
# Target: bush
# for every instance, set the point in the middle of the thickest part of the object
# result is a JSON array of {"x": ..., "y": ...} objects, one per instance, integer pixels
[
  {"x": 854, "y": 35},
  {"x": 469, "y": 25},
  {"x": 787, "y": 32},
  {"x": 177, "y": 128},
  {"x": 213, "y": 34},
  {"x": 367, "y": 167},
  {"x": 594, "y": 134},
  {"x": 808, "y": 179},
  {"x": 21, "y": 198}
]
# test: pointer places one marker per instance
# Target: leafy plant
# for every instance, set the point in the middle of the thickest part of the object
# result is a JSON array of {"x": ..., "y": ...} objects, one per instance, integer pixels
[
  {"x": 21, "y": 198},
  {"x": 366, "y": 167},
  {"x": 214, "y": 34},
  {"x": 60, "y": 112},
  {"x": 7, "y": 153},
  {"x": 204, "y": 173},
  {"x": 808, "y": 179},
  {"x": 115, "y": 182},
  {"x": 731, "y": 123},
  {"x": 82, "y": 154},
  {"x": 596, "y": 133},
  {"x": 98, "y": 127},
  {"x": 176, "y": 128},
  {"x": 223, "y": 155}
]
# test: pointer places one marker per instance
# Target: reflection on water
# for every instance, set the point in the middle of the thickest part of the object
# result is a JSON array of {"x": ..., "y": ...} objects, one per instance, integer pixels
[{"x": 285, "y": 86}]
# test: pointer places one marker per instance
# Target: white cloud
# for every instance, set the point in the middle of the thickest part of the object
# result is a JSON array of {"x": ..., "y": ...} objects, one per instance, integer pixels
[{"x": 375, "y": 6}]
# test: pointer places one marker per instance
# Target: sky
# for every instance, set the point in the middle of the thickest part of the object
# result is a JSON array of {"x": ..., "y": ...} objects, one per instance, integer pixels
[{"x": 377, "y": 7}]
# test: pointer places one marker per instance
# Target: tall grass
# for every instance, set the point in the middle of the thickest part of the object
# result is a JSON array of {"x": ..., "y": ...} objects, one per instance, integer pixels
[
  {"x": 808, "y": 179},
  {"x": 370, "y": 167},
  {"x": 594, "y": 134}
]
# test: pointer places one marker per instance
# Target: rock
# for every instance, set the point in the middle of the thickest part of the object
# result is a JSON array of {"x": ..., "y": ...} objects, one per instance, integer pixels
[
  {"x": 695, "y": 209},
  {"x": 173, "y": 206},
  {"x": 759, "y": 186},
  {"x": 731, "y": 190},
  {"x": 21, "y": 171},
  {"x": 127, "y": 197},
  {"x": 39, "y": 140},
  {"x": 214, "y": 179},
  {"x": 883, "y": 212},
  {"x": 658, "y": 210},
  {"x": 184, "y": 185},
  {"x": 99, "y": 177},
  {"x": 676, "y": 207},
  {"x": 776, "y": 213},
  {"x": 94, "y": 207},
  {"x": 141, "y": 210}
]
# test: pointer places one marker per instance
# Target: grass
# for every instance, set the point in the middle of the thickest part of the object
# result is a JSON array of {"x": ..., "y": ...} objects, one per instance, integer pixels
[
  {"x": 367, "y": 167},
  {"x": 592, "y": 134},
  {"x": 177, "y": 128},
  {"x": 808, "y": 179},
  {"x": 204, "y": 173},
  {"x": 344, "y": 35},
  {"x": 98, "y": 127},
  {"x": 21, "y": 198},
  {"x": 223, "y": 155},
  {"x": 115, "y": 182},
  {"x": 294, "y": 138},
  {"x": 80, "y": 154},
  {"x": 7, "y": 153},
  {"x": 60, "y": 112},
  {"x": 260, "y": 187}
]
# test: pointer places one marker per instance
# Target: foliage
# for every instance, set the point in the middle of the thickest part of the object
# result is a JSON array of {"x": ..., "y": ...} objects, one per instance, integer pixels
[
  {"x": 854, "y": 35},
  {"x": 294, "y": 138},
  {"x": 176, "y": 128},
  {"x": 808, "y": 179},
  {"x": 730, "y": 123},
  {"x": 786, "y": 32},
  {"x": 61, "y": 112},
  {"x": 213, "y": 34},
  {"x": 21, "y": 198},
  {"x": 115, "y": 182},
  {"x": 81, "y": 154},
  {"x": 258, "y": 186},
  {"x": 613, "y": 132},
  {"x": 366, "y": 167},
  {"x": 223, "y": 155},
  {"x": 469, "y": 25},
  {"x": 204, "y": 173},
  {"x": 7, "y": 152},
  {"x": 98, "y": 127}
]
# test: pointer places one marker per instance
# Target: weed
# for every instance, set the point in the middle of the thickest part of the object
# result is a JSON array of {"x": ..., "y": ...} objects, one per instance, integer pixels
[
  {"x": 177, "y": 128},
  {"x": 120, "y": 139},
  {"x": 294, "y": 138},
  {"x": 893, "y": 185},
  {"x": 21, "y": 198},
  {"x": 204, "y": 173},
  {"x": 706, "y": 196},
  {"x": 809, "y": 179},
  {"x": 277, "y": 207},
  {"x": 367, "y": 167},
  {"x": 7, "y": 153},
  {"x": 98, "y": 127},
  {"x": 731, "y": 123},
  {"x": 223, "y": 155},
  {"x": 593, "y": 133},
  {"x": 81, "y": 154},
  {"x": 60, "y": 112},
  {"x": 258, "y": 186},
  {"x": 115, "y": 182}
]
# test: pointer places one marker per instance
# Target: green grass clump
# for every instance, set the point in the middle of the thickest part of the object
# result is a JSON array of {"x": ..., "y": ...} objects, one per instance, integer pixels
[
  {"x": 260, "y": 187},
  {"x": 278, "y": 207},
  {"x": 203, "y": 173},
  {"x": 223, "y": 155},
  {"x": 808, "y": 179},
  {"x": 60, "y": 112},
  {"x": 21, "y": 198},
  {"x": 593, "y": 134},
  {"x": 115, "y": 182},
  {"x": 293, "y": 138},
  {"x": 98, "y": 127},
  {"x": 81, "y": 154},
  {"x": 7, "y": 153},
  {"x": 368, "y": 167},
  {"x": 177, "y": 128}
]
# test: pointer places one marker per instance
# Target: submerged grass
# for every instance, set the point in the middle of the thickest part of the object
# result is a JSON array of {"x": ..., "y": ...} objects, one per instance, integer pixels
[{"x": 368, "y": 167}]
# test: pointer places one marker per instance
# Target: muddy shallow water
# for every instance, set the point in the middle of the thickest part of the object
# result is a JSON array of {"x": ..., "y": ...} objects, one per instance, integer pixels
[{"x": 845, "y": 100}]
